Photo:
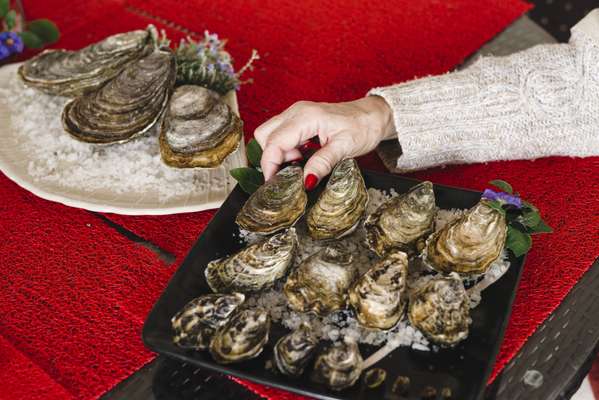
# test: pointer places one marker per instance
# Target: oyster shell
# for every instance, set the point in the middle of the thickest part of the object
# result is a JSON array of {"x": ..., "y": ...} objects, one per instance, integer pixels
[
  {"x": 320, "y": 282},
  {"x": 72, "y": 73},
  {"x": 254, "y": 268},
  {"x": 243, "y": 337},
  {"x": 196, "y": 323},
  {"x": 402, "y": 220},
  {"x": 125, "y": 107},
  {"x": 441, "y": 310},
  {"x": 199, "y": 129},
  {"x": 469, "y": 244},
  {"x": 339, "y": 366},
  {"x": 379, "y": 296},
  {"x": 341, "y": 204},
  {"x": 293, "y": 351},
  {"x": 276, "y": 205}
]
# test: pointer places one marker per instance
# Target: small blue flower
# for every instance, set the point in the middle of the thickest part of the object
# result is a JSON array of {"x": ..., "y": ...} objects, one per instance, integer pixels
[
  {"x": 502, "y": 197},
  {"x": 12, "y": 42},
  {"x": 210, "y": 67},
  {"x": 4, "y": 52}
]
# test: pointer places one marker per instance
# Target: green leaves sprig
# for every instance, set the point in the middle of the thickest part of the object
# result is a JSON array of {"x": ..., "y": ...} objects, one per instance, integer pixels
[
  {"x": 250, "y": 178},
  {"x": 35, "y": 34}
]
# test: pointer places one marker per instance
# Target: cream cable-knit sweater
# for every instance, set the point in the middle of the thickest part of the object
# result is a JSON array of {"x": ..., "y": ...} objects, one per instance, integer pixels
[{"x": 540, "y": 102}]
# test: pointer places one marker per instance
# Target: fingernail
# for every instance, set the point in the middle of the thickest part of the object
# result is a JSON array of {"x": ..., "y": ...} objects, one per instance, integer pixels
[
  {"x": 310, "y": 182},
  {"x": 297, "y": 160}
]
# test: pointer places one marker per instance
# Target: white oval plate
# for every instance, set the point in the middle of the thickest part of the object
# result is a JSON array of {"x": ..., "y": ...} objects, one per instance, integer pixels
[{"x": 15, "y": 162}]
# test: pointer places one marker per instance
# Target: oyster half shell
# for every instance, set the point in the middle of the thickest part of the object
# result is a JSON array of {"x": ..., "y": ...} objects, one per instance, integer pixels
[
  {"x": 127, "y": 106},
  {"x": 243, "y": 337},
  {"x": 339, "y": 366},
  {"x": 276, "y": 205},
  {"x": 196, "y": 323},
  {"x": 254, "y": 268},
  {"x": 341, "y": 204},
  {"x": 320, "y": 282},
  {"x": 199, "y": 129},
  {"x": 470, "y": 244},
  {"x": 72, "y": 73},
  {"x": 293, "y": 351},
  {"x": 379, "y": 296},
  {"x": 402, "y": 220}
]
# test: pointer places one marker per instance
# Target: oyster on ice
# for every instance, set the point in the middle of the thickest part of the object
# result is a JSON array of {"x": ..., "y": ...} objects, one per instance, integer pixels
[
  {"x": 196, "y": 323},
  {"x": 72, "y": 73},
  {"x": 254, "y": 268},
  {"x": 276, "y": 205},
  {"x": 402, "y": 220},
  {"x": 321, "y": 281},
  {"x": 441, "y": 310},
  {"x": 341, "y": 204},
  {"x": 127, "y": 106},
  {"x": 293, "y": 351},
  {"x": 339, "y": 366},
  {"x": 379, "y": 296},
  {"x": 199, "y": 129},
  {"x": 243, "y": 337},
  {"x": 468, "y": 245}
]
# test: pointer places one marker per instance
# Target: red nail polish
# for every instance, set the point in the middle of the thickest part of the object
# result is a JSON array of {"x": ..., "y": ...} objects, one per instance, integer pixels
[{"x": 311, "y": 181}]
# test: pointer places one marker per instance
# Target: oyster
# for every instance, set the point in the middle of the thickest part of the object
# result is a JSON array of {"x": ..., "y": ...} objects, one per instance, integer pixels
[
  {"x": 341, "y": 204},
  {"x": 254, "y": 268},
  {"x": 402, "y": 221},
  {"x": 276, "y": 205},
  {"x": 125, "y": 107},
  {"x": 379, "y": 296},
  {"x": 293, "y": 351},
  {"x": 196, "y": 323},
  {"x": 243, "y": 337},
  {"x": 199, "y": 129},
  {"x": 320, "y": 282},
  {"x": 441, "y": 310},
  {"x": 339, "y": 366},
  {"x": 72, "y": 73},
  {"x": 469, "y": 244}
]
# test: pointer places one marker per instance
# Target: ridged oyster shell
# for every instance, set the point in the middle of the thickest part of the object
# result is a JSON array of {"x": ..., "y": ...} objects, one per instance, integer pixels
[
  {"x": 196, "y": 323},
  {"x": 293, "y": 351},
  {"x": 401, "y": 221},
  {"x": 276, "y": 205},
  {"x": 341, "y": 204},
  {"x": 127, "y": 106},
  {"x": 321, "y": 281},
  {"x": 254, "y": 268},
  {"x": 199, "y": 129},
  {"x": 441, "y": 310},
  {"x": 469, "y": 244},
  {"x": 379, "y": 296},
  {"x": 243, "y": 337},
  {"x": 72, "y": 73},
  {"x": 339, "y": 366}
]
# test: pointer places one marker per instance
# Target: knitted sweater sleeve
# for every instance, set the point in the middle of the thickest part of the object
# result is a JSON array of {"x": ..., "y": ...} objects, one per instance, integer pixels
[{"x": 540, "y": 102}]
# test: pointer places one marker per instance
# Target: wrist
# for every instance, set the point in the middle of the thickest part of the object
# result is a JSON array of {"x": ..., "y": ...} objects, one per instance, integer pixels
[{"x": 381, "y": 116}]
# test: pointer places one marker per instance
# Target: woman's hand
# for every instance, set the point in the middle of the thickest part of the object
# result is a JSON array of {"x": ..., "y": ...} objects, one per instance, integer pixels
[{"x": 344, "y": 129}]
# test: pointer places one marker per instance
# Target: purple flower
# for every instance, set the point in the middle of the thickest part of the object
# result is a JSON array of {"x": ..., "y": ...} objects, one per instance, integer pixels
[
  {"x": 11, "y": 42},
  {"x": 4, "y": 52},
  {"x": 502, "y": 197}
]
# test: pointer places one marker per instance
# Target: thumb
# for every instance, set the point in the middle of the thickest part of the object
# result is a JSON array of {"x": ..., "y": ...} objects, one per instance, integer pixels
[{"x": 321, "y": 164}]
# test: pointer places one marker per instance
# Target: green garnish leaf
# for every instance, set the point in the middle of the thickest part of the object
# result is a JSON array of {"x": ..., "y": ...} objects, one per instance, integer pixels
[
  {"x": 530, "y": 218},
  {"x": 503, "y": 185},
  {"x": 44, "y": 29},
  {"x": 495, "y": 205},
  {"x": 31, "y": 40},
  {"x": 518, "y": 242},
  {"x": 4, "y": 7},
  {"x": 254, "y": 153},
  {"x": 248, "y": 178},
  {"x": 541, "y": 227},
  {"x": 10, "y": 18}
]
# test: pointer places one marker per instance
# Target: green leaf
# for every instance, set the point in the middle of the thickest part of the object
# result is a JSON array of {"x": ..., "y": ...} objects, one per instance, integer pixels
[
  {"x": 495, "y": 205},
  {"x": 10, "y": 19},
  {"x": 530, "y": 218},
  {"x": 45, "y": 29},
  {"x": 503, "y": 185},
  {"x": 541, "y": 227},
  {"x": 4, "y": 7},
  {"x": 254, "y": 152},
  {"x": 248, "y": 178},
  {"x": 518, "y": 242},
  {"x": 528, "y": 206},
  {"x": 31, "y": 40}
]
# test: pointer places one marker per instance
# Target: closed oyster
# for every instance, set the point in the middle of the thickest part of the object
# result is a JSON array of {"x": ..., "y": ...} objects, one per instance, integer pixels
[
  {"x": 243, "y": 337},
  {"x": 379, "y": 296},
  {"x": 441, "y": 310},
  {"x": 254, "y": 268},
  {"x": 339, "y": 366},
  {"x": 320, "y": 282},
  {"x": 125, "y": 107},
  {"x": 276, "y": 205},
  {"x": 469, "y": 244},
  {"x": 72, "y": 73},
  {"x": 293, "y": 351},
  {"x": 196, "y": 323},
  {"x": 401, "y": 221},
  {"x": 341, "y": 204},
  {"x": 199, "y": 129}
]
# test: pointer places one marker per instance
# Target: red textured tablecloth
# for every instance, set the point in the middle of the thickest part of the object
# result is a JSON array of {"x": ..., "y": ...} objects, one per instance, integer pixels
[{"x": 74, "y": 292}]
